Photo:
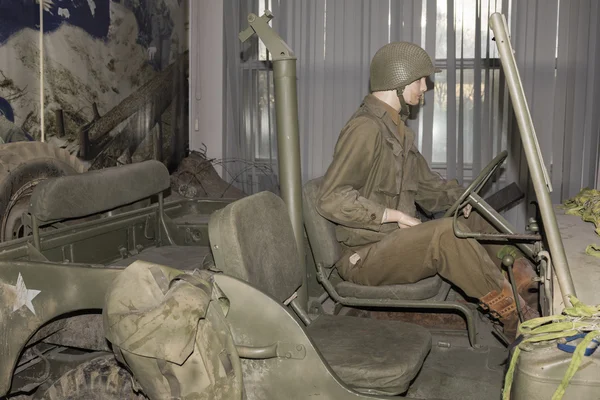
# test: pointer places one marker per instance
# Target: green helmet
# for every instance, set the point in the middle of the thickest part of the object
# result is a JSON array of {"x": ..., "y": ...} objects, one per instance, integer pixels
[{"x": 398, "y": 64}]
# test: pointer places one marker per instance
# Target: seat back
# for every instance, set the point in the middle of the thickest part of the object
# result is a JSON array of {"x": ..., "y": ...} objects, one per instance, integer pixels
[
  {"x": 320, "y": 231},
  {"x": 252, "y": 239},
  {"x": 92, "y": 192}
]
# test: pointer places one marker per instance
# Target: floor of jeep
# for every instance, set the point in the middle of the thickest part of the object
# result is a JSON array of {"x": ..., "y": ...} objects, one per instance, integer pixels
[
  {"x": 179, "y": 257},
  {"x": 454, "y": 370}
]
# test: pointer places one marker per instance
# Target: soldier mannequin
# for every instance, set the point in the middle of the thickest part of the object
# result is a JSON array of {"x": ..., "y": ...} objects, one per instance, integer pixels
[{"x": 373, "y": 183}]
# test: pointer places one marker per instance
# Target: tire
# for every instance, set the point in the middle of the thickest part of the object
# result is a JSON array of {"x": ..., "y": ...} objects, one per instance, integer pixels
[
  {"x": 22, "y": 166},
  {"x": 98, "y": 379}
]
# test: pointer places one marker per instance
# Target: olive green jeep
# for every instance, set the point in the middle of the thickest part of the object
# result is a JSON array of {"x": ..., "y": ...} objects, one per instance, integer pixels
[{"x": 298, "y": 332}]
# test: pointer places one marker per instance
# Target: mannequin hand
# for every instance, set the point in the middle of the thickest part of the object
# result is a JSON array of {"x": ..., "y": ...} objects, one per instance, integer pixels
[{"x": 403, "y": 220}]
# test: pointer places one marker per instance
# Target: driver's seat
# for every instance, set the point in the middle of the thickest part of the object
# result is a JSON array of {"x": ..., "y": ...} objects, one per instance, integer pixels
[{"x": 327, "y": 251}]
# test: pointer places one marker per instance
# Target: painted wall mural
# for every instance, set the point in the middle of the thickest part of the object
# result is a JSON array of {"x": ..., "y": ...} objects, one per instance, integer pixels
[{"x": 115, "y": 77}]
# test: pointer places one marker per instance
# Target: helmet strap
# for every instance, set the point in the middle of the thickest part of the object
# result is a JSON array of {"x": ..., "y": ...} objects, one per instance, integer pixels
[{"x": 404, "y": 110}]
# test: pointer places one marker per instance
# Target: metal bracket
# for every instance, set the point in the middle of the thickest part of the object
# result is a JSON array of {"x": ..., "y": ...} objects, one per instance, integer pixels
[
  {"x": 34, "y": 254},
  {"x": 402, "y": 304},
  {"x": 479, "y": 205},
  {"x": 273, "y": 42},
  {"x": 124, "y": 252}
]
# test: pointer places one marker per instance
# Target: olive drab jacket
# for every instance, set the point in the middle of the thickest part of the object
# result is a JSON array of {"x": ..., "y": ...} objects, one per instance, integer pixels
[{"x": 377, "y": 166}]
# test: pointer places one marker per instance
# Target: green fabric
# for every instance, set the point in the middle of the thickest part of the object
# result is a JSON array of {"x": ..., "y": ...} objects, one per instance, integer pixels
[
  {"x": 169, "y": 329},
  {"x": 575, "y": 319},
  {"x": 585, "y": 204},
  {"x": 593, "y": 250},
  {"x": 377, "y": 166}
]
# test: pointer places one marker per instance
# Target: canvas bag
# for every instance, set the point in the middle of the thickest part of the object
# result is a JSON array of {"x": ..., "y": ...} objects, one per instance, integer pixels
[{"x": 169, "y": 329}]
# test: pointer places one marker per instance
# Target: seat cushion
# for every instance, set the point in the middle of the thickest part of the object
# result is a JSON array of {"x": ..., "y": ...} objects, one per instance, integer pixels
[
  {"x": 179, "y": 257},
  {"x": 424, "y": 289},
  {"x": 369, "y": 354}
]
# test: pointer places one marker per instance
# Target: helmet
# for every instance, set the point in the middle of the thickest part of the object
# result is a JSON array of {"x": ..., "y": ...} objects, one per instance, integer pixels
[{"x": 398, "y": 64}]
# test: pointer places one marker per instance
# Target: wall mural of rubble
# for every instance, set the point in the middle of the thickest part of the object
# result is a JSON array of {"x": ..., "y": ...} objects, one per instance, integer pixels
[{"x": 115, "y": 77}]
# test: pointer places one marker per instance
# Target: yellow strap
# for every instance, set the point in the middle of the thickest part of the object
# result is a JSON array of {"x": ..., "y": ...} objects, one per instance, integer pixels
[
  {"x": 578, "y": 355},
  {"x": 593, "y": 250}
]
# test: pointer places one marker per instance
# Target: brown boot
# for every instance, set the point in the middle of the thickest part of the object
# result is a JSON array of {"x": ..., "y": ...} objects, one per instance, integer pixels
[
  {"x": 501, "y": 305},
  {"x": 526, "y": 281}
]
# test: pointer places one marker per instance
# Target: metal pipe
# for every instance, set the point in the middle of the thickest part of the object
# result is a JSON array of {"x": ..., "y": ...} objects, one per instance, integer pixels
[
  {"x": 511, "y": 277},
  {"x": 534, "y": 160},
  {"x": 398, "y": 303},
  {"x": 497, "y": 222},
  {"x": 288, "y": 142},
  {"x": 35, "y": 227},
  {"x": 288, "y": 150},
  {"x": 300, "y": 312},
  {"x": 159, "y": 214}
]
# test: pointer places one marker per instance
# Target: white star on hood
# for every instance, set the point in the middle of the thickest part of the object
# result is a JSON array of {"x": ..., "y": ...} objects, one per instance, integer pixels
[{"x": 24, "y": 296}]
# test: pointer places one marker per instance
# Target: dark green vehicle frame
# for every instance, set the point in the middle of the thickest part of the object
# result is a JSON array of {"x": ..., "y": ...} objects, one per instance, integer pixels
[{"x": 67, "y": 263}]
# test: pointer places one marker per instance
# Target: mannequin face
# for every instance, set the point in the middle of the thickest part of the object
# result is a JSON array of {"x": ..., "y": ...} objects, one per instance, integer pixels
[{"x": 413, "y": 92}]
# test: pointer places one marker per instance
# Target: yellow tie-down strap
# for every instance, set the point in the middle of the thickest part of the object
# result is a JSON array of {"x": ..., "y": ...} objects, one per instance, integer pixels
[{"x": 580, "y": 318}]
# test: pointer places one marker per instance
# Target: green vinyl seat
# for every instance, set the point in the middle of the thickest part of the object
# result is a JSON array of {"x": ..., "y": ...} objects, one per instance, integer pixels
[
  {"x": 327, "y": 251},
  {"x": 252, "y": 239}
]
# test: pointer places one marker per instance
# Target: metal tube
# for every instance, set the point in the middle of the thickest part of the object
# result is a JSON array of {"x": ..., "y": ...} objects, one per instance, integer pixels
[
  {"x": 398, "y": 303},
  {"x": 159, "y": 214},
  {"x": 498, "y": 222},
  {"x": 513, "y": 80},
  {"x": 35, "y": 227},
  {"x": 288, "y": 149},
  {"x": 300, "y": 312},
  {"x": 511, "y": 277}
]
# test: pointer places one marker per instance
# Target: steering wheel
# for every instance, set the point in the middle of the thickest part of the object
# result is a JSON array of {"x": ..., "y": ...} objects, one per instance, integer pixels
[{"x": 479, "y": 182}]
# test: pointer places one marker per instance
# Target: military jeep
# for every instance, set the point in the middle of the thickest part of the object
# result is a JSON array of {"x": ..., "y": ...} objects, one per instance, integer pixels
[{"x": 298, "y": 331}]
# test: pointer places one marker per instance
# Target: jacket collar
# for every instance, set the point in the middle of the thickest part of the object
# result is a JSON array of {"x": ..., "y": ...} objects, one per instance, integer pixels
[{"x": 391, "y": 120}]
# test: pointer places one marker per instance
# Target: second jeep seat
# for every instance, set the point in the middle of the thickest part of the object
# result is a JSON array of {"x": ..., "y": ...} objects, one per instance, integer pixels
[{"x": 252, "y": 239}]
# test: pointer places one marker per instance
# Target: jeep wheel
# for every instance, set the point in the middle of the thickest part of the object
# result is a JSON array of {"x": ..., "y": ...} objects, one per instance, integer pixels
[
  {"x": 22, "y": 166},
  {"x": 98, "y": 379}
]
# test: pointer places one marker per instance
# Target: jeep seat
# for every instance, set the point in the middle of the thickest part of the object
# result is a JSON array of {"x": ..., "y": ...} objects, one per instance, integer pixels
[
  {"x": 252, "y": 239},
  {"x": 97, "y": 191},
  {"x": 327, "y": 251}
]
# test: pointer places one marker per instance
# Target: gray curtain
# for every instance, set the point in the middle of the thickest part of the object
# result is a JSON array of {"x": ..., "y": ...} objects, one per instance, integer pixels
[
  {"x": 467, "y": 118},
  {"x": 559, "y": 65}
]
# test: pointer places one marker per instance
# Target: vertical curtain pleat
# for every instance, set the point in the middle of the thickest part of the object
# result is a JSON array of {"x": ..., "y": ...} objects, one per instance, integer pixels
[
  {"x": 595, "y": 124},
  {"x": 590, "y": 143},
  {"x": 317, "y": 130},
  {"x": 460, "y": 147},
  {"x": 579, "y": 99},
  {"x": 570, "y": 93},
  {"x": 560, "y": 100},
  {"x": 328, "y": 88},
  {"x": 415, "y": 37},
  {"x": 451, "y": 95},
  {"x": 544, "y": 83},
  {"x": 233, "y": 122},
  {"x": 427, "y": 111},
  {"x": 477, "y": 127}
]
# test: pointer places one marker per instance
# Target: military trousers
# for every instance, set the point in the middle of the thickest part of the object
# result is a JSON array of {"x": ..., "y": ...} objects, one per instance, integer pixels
[{"x": 411, "y": 254}]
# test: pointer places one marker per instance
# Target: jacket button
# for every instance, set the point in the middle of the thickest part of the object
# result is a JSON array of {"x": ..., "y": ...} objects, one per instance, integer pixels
[{"x": 373, "y": 216}]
